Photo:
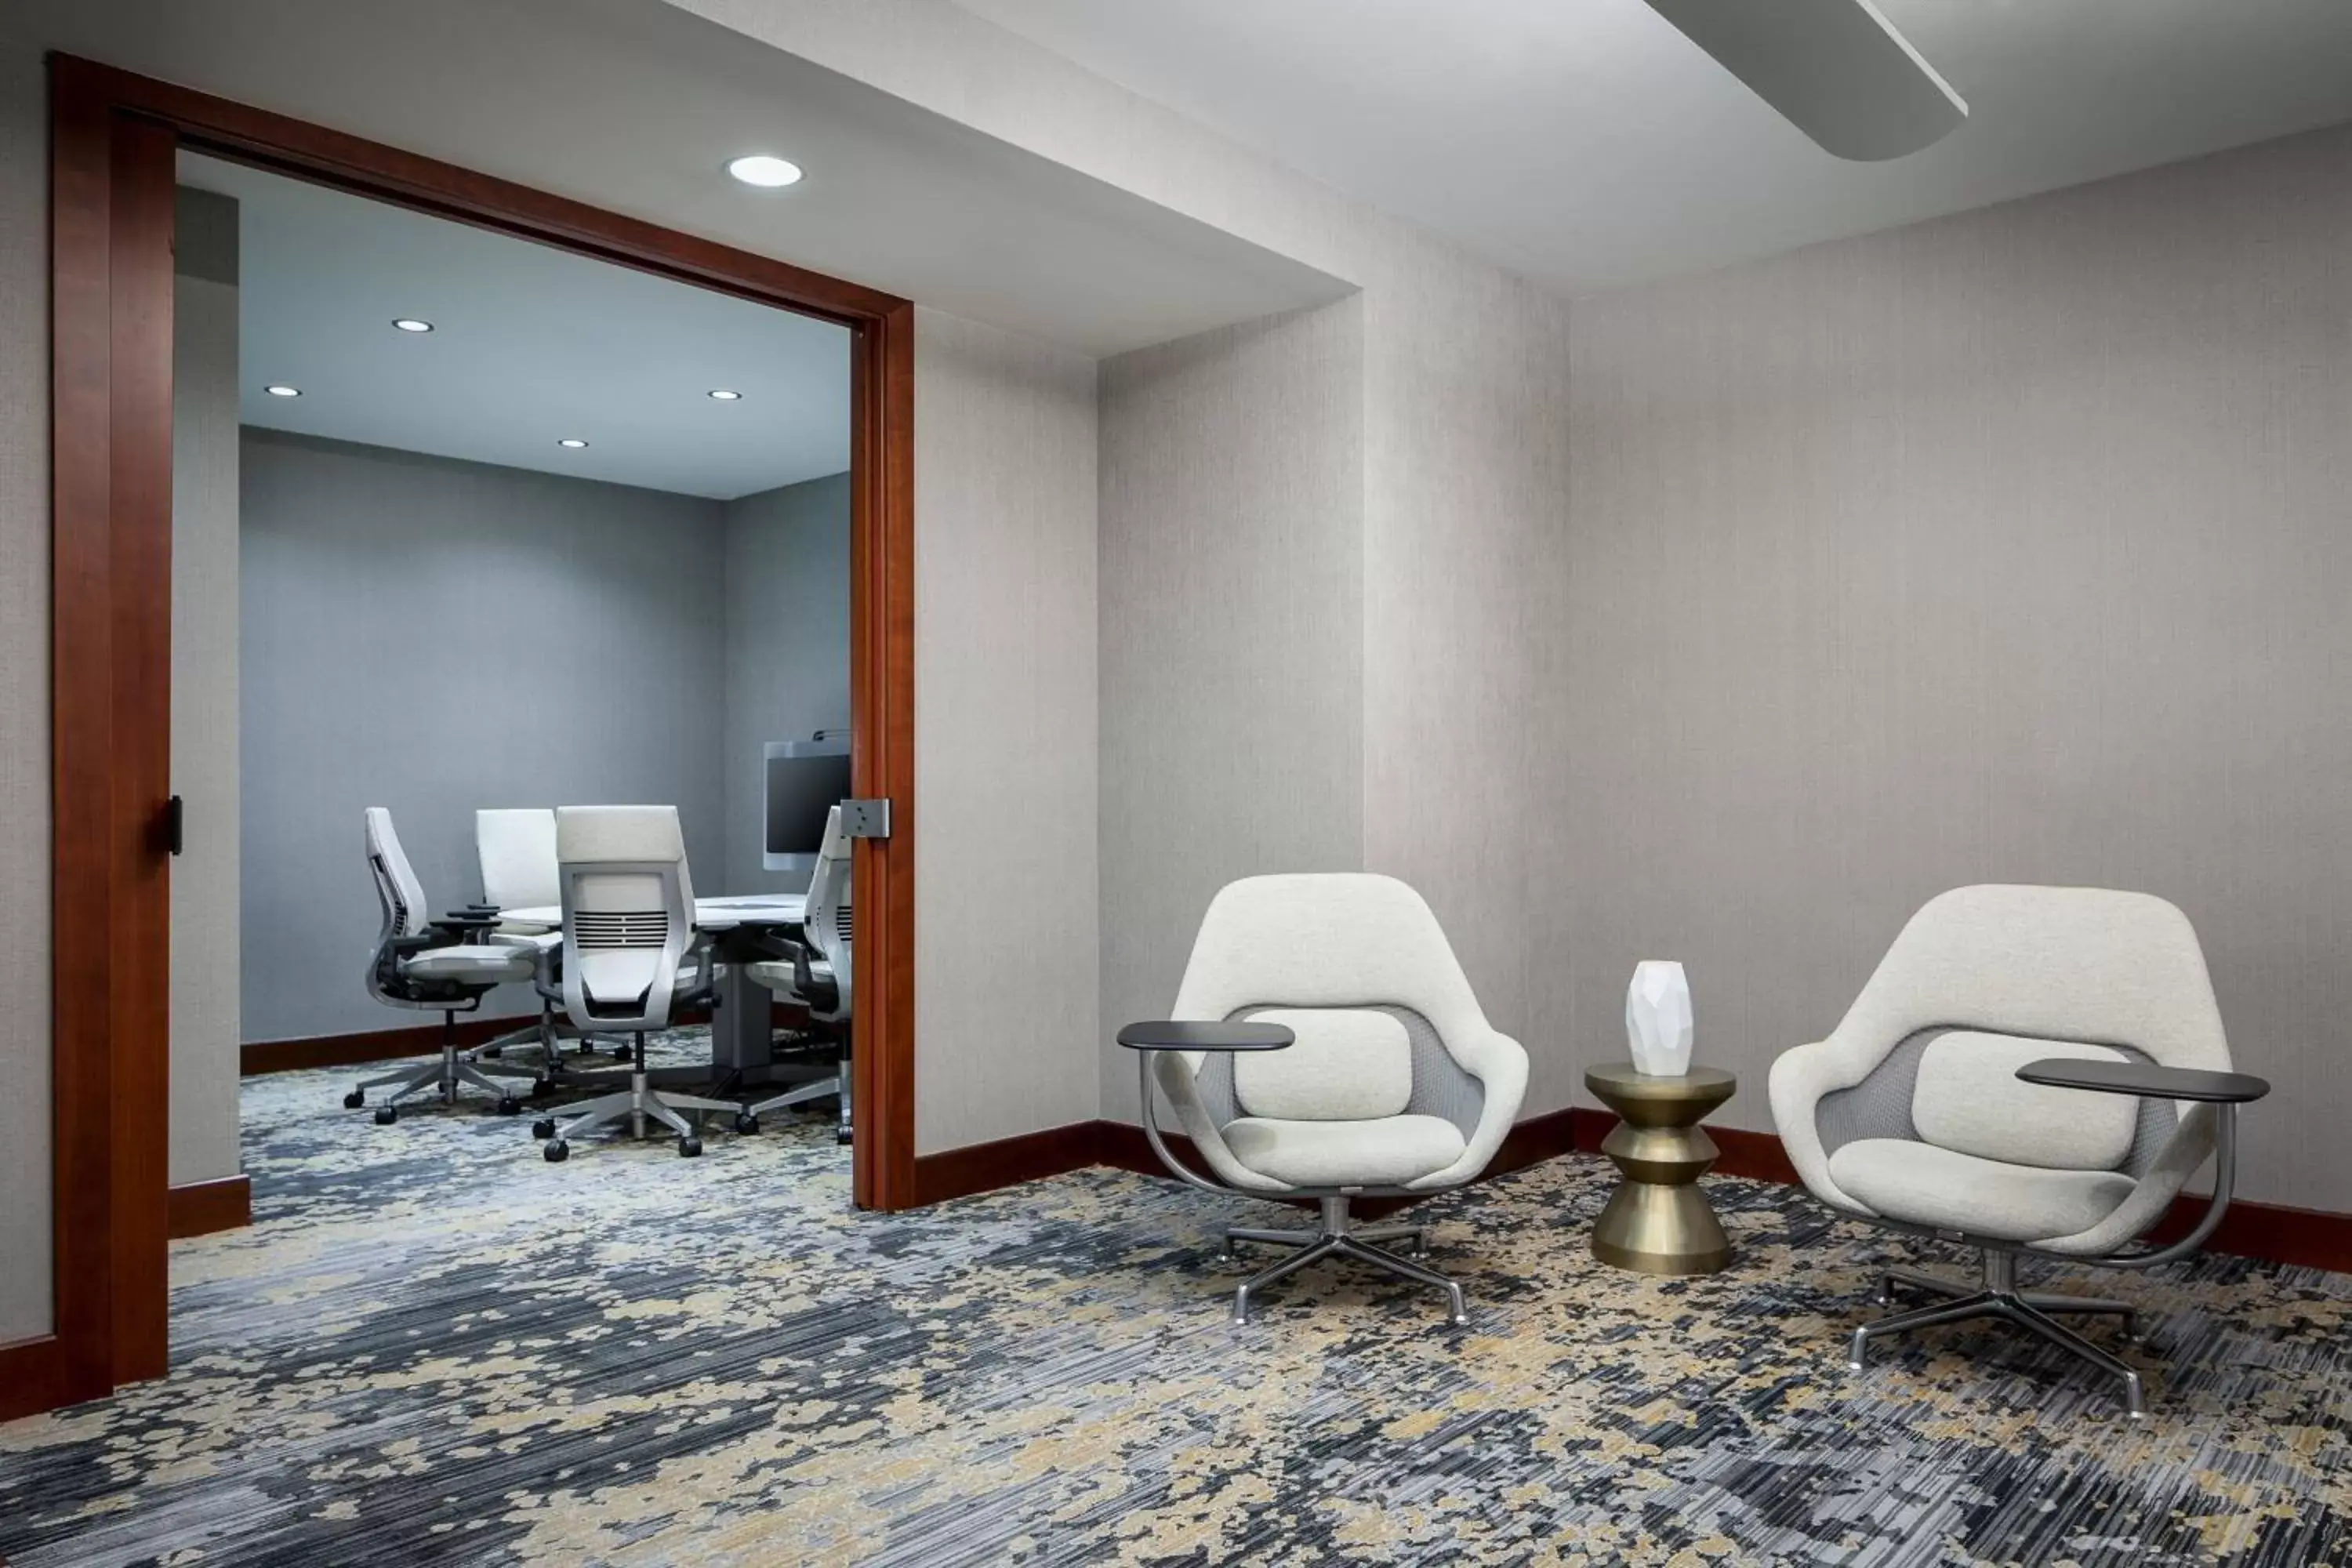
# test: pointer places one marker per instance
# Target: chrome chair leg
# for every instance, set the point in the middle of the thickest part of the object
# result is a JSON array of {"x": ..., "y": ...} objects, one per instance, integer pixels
[
  {"x": 1227, "y": 1252},
  {"x": 1919, "y": 1279},
  {"x": 1340, "y": 1237},
  {"x": 1998, "y": 1298},
  {"x": 2031, "y": 1317},
  {"x": 1322, "y": 1247},
  {"x": 1415, "y": 1234},
  {"x": 1457, "y": 1312},
  {"x": 1981, "y": 1304},
  {"x": 2058, "y": 1305}
]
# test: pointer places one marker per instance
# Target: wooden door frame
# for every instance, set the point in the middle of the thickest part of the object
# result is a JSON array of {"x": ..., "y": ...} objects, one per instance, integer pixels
[{"x": 114, "y": 138}]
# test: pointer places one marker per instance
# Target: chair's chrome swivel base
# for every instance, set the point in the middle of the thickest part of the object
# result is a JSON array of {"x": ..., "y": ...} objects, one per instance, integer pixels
[
  {"x": 1340, "y": 1237},
  {"x": 454, "y": 1069},
  {"x": 1998, "y": 1297},
  {"x": 638, "y": 1104},
  {"x": 833, "y": 1087}
]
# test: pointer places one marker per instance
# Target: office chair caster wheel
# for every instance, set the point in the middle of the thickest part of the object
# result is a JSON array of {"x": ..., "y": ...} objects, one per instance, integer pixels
[
  {"x": 510, "y": 1106},
  {"x": 541, "y": 1088},
  {"x": 688, "y": 1146},
  {"x": 842, "y": 1137},
  {"x": 556, "y": 1150},
  {"x": 746, "y": 1123},
  {"x": 544, "y": 1128},
  {"x": 385, "y": 1115},
  {"x": 355, "y": 1099}
]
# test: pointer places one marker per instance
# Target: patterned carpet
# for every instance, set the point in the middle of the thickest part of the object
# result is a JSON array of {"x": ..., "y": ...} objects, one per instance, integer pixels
[{"x": 433, "y": 1347}]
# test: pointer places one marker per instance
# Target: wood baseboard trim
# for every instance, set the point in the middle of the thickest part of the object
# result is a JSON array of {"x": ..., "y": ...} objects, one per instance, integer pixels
[
  {"x": 2272, "y": 1233},
  {"x": 200, "y": 1208},
  {"x": 369, "y": 1046},
  {"x": 37, "y": 1375},
  {"x": 423, "y": 1039},
  {"x": 1057, "y": 1150},
  {"x": 1006, "y": 1162}
]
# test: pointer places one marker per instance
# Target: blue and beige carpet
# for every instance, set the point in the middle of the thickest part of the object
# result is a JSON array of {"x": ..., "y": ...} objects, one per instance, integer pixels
[{"x": 432, "y": 1347}]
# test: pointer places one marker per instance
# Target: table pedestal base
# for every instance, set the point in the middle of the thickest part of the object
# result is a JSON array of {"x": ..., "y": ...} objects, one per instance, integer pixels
[
  {"x": 1658, "y": 1221},
  {"x": 1661, "y": 1227}
]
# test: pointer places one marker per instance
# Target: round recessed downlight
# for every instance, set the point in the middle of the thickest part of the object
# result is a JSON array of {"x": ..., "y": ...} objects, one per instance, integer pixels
[
  {"x": 281, "y": 390},
  {"x": 574, "y": 442},
  {"x": 723, "y": 395},
  {"x": 765, "y": 171},
  {"x": 410, "y": 324}
]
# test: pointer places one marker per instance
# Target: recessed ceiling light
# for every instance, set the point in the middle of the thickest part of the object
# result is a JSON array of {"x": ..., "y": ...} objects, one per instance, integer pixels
[
  {"x": 765, "y": 171},
  {"x": 574, "y": 442},
  {"x": 410, "y": 324},
  {"x": 281, "y": 390},
  {"x": 723, "y": 395}
]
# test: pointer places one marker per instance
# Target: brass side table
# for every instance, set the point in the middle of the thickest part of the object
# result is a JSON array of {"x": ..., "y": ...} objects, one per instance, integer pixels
[{"x": 1658, "y": 1221}]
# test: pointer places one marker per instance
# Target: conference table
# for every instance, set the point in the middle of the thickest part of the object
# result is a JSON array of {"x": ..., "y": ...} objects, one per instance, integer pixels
[{"x": 742, "y": 1036}]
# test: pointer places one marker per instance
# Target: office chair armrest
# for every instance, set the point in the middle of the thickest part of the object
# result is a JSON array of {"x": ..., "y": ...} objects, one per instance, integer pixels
[
  {"x": 2145, "y": 1079},
  {"x": 460, "y": 924},
  {"x": 1181, "y": 1036},
  {"x": 824, "y": 992}
]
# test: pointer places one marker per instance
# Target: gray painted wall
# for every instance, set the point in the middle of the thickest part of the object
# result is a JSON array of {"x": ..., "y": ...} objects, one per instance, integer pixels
[
  {"x": 787, "y": 660},
  {"x": 1005, "y": 784},
  {"x": 435, "y": 636},
  {"x": 24, "y": 1283},
  {"x": 1231, "y": 611},
  {"x": 205, "y": 926},
  {"x": 2008, "y": 547},
  {"x": 1465, "y": 502}
]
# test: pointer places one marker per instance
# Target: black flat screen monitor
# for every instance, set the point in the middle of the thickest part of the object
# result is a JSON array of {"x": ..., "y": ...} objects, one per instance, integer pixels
[{"x": 806, "y": 780}]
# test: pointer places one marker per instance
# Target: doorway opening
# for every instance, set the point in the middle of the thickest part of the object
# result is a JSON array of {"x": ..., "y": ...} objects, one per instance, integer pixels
[{"x": 120, "y": 147}]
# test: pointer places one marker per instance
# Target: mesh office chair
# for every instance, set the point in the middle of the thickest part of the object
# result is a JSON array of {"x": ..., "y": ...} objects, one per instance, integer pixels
[
  {"x": 516, "y": 848},
  {"x": 631, "y": 957},
  {"x": 818, "y": 975},
  {"x": 2013, "y": 1078},
  {"x": 1396, "y": 1085},
  {"x": 440, "y": 965}
]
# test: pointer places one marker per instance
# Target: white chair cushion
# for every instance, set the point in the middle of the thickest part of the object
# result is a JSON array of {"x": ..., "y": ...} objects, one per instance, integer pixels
[
  {"x": 1969, "y": 1099},
  {"x": 1923, "y": 1184},
  {"x": 528, "y": 939},
  {"x": 1349, "y": 1064},
  {"x": 469, "y": 963},
  {"x": 1384, "y": 1151}
]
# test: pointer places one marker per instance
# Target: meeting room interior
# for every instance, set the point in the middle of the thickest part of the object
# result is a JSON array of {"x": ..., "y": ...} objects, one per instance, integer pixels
[
  {"x": 953, "y": 783},
  {"x": 511, "y": 687}
]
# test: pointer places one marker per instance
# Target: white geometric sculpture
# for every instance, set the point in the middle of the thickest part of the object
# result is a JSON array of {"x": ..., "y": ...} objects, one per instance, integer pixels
[{"x": 1658, "y": 1024}]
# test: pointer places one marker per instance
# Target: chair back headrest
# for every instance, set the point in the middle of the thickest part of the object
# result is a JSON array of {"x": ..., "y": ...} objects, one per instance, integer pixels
[
  {"x": 2053, "y": 964},
  {"x": 1347, "y": 939},
  {"x": 585, "y": 834},
  {"x": 517, "y": 849}
]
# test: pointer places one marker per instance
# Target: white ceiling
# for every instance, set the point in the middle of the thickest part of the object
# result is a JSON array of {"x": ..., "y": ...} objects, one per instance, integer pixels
[
  {"x": 634, "y": 106},
  {"x": 530, "y": 344},
  {"x": 1587, "y": 144}
]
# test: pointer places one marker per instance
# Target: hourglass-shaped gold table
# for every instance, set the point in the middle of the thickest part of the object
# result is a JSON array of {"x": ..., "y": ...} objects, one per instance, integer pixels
[{"x": 1658, "y": 1221}]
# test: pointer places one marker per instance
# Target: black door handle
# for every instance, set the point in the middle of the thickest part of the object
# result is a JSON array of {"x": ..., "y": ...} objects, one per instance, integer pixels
[{"x": 174, "y": 826}]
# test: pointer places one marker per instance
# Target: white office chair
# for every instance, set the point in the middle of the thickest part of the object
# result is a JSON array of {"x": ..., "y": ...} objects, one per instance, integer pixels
[
  {"x": 632, "y": 958},
  {"x": 2012, "y": 1079},
  {"x": 516, "y": 848},
  {"x": 1396, "y": 1085},
  {"x": 423, "y": 962},
  {"x": 818, "y": 975}
]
